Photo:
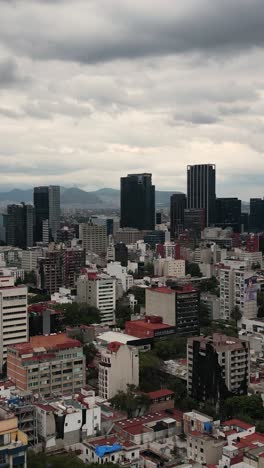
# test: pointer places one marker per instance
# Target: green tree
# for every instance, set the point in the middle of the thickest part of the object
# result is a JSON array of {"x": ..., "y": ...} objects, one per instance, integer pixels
[
  {"x": 122, "y": 313},
  {"x": 251, "y": 406},
  {"x": 140, "y": 295},
  {"x": 149, "y": 366},
  {"x": 30, "y": 278},
  {"x": 193, "y": 269},
  {"x": 236, "y": 314},
  {"x": 171, "y": 348},
  {"x": 209, "y": 285},
  {"x": 80, "y": 314},
  {"x": 90, "y": 352},
  {"x": 132, "y": 401},
  {"x": 34, "y": 299},
  {"x": 42, "y": 460}
]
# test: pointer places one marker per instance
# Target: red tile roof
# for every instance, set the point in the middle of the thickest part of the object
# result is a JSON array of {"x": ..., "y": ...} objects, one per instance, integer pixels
[
  {"x": 147, "y": 325},
  {"x": 237, "y": 423},
  {"x": 160, "y": 393}
]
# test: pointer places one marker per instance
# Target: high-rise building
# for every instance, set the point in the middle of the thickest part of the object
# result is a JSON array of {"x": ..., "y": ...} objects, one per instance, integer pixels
[
  {"x": 256, "y": 217},
  {"x": 54, "y": 210},
  {"x": 137, "y": 202},
  {"x": 178, "y": 203},
  {"x": 20, "y": 223},
  {"x": 47, "y": 364},
  {"x": 13, "y": 315},
  {"x": 94, "y": 237},
  {"x": 118, "y": 368},
  {"x": 237, "y": 288},
  {"x": 228, "y": 213},
  {"x": 178, "y": 307},
  {"x": 194, "y": 220},
  {"x": 98, "y": 290},
  {"x": 47, "y": 209},
  {"x": 201, "y": 189},
  {"x": 218, "y": 367}
]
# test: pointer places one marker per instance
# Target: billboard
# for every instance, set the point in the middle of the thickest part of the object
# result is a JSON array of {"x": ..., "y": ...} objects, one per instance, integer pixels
[{"x": 251, "y": 289}]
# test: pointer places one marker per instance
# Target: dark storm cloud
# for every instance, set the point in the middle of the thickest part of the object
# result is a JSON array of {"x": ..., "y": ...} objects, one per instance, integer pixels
[
  {"x": 106, "y": 30},
  {"x": 10, "y": 74}
]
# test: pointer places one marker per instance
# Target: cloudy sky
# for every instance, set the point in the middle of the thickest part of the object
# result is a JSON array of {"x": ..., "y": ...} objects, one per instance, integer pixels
[{"x": 93, "y": 89}]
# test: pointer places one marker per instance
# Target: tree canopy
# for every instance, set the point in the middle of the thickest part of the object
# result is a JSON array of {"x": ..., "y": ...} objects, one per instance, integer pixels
[
  {"x": 75, "y": 314},
  {"x": 132, "y": 402},
  {"x": 251, "y": 406}
]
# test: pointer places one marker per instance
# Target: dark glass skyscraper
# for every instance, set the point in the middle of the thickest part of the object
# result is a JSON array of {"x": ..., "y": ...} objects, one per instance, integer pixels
[
  {"x": 137, "y": 202},
  {"x": 47, "y": 208},
  {"x": 256, "y": 218},
  {"x": 201, "y": 189},
  {"x": 19, "y": 229},
  {"x": 177, "y": 206},
  {"x": 228, "y": 213}
]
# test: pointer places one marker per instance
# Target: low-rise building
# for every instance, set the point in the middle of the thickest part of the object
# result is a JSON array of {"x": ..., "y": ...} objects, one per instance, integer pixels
[
  {"x": 196, "y": 421},
  {"x": 160, "y": 400},
  {"x": 204, "y": 449},
  {"x": 149, "y": 327},
  {"x": 67, "y": 421},
  {"x": 13, "y": 448},
  {"x": 47, "y": 365},
  {"x": 110, "y": 449}
]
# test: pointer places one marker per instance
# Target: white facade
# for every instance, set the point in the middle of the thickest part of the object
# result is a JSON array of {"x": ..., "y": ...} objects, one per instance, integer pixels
[
  {"x": 13, "y": 316},
  {"x": 169, "y": 267},
  {"x": 75, "y": 426},
  {"x": 120, "y": 272},
  {"x": 98, "y": 290},
  {"x": 118, "y": 368},
  {"x": 233, "y": 293},
  {"x": 30, "y": 259}
]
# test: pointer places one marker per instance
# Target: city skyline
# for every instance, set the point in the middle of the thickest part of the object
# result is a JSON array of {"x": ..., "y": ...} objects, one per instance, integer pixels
[{"x": 120, "y": 87}]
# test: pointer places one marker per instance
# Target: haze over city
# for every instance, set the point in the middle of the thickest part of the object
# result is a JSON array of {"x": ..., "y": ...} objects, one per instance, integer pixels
[{"x": 94, "y": 90}]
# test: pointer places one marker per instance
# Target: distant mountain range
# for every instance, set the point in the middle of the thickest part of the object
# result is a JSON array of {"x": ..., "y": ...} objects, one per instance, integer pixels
[{"x": 78, "y": 198}]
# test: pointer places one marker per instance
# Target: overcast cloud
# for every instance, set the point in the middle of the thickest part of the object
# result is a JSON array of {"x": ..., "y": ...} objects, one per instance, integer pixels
[{"x": 93, "y": 89}]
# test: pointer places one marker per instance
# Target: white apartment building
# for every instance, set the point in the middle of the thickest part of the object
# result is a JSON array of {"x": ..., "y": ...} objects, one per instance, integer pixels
[
  {"x": 120, "y": 272},
  {"x": 98, "y": 290},
  {"x": 119, "y": 367},
  {"x": 169, "y": 267},
  {"x": 13, "y": 315},
  {"x": 236, "y": 289},
  {"x": 94, "y": 237}
]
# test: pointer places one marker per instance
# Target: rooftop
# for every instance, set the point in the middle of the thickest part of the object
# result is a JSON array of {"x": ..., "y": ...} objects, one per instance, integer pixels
[
  {"x": 160, "y": 393},
  {"x": 147, "y": 325},
  {"x": 42, "y": 344},
  {"x": 237, "y": 423},
  {"x": 111, "y": 336}
]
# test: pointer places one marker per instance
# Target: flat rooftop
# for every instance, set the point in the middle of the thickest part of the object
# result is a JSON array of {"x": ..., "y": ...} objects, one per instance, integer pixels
[
  {"x": 111, "y": 336},
  {"x": 42, "y": 344}
]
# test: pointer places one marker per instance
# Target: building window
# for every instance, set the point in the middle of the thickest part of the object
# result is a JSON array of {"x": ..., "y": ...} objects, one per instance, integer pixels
[{"x": 201, "y": 450}]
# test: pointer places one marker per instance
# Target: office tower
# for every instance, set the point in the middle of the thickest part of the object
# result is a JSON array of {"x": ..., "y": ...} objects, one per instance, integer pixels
[
  {"x": 218, "y": 367},
  {"x": 194, "y": 220},
  {"x": 98, "y": 290},
  {"x": 50, "y": 271},
  {"x": 47, "y": 365},
  {"x": 178, "y": 307},
  {"x": 121, "y": 253},
  {"x": 228, "y": 213},
  {"x": 13, "y": 315},
  {"x": 178, "y": 203},
  {"x": 118, "y": 368},
  {"x": 47, "y": 208},
  {"x": 20, "y": 222},
  {"x": 201, "y": 189},
  {"x": 54, "y": 210},
  {"x": 94, "y": 237},
  {"x": 256, "y": 217},
  {"x": 137, "y": 202},
  {"x": 3, "y": 226}
]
